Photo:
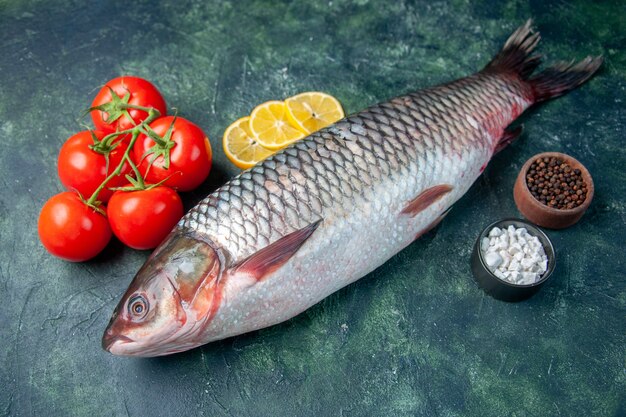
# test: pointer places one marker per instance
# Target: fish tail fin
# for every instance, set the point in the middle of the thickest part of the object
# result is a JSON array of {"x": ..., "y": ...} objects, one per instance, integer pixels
[
  {"x": 563, "y": 77},
  {"x": 516, "y": 57}
]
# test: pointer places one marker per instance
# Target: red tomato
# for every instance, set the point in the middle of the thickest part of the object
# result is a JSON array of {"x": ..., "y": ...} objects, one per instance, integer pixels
[
  {"x": 142, "y": 219},
  {"x": 142, "y": 93},
  {"x": 83, "y": 169},
  {"x": 71, "y": 230},
  {"x": 190, "y": 158}
]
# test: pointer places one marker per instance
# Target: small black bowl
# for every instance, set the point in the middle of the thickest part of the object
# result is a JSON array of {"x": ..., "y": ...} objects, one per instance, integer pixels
[{"x": 501, "y": 289}]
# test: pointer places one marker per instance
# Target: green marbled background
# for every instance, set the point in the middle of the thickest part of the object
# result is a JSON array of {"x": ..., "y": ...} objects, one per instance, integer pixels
[{"x": 417, "y": 336}]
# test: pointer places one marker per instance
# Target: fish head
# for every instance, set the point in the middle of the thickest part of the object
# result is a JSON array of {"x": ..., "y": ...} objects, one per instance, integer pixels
[{"x": 168, "y": 302}]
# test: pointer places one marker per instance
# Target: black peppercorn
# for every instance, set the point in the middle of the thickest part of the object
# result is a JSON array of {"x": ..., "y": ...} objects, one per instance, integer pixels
[{"x": 553, "y": 182}]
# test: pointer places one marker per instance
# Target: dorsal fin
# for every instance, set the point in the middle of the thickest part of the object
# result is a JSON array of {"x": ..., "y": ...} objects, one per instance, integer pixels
[{"x": 272, "y": 257}]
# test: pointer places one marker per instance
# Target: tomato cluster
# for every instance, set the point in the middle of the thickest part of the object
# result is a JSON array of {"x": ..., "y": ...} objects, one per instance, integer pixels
[{"x": 124, "y": 175}]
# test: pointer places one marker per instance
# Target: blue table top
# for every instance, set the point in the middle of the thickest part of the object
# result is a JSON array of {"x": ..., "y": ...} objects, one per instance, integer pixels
[{"x": 416, "y": 336}]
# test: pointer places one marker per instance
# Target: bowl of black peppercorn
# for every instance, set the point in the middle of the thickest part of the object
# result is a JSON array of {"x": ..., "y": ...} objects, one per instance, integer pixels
[{"x": 553, "y": 190}]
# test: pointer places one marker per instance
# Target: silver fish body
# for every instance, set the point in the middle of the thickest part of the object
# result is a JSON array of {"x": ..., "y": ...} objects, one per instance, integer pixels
[
  {"x": 356, "y": 177},
  {"x": 363, "y": 189}
]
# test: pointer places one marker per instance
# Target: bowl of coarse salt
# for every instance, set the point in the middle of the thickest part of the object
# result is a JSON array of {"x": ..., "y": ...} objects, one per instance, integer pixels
[{"x": 512, "y": 259}]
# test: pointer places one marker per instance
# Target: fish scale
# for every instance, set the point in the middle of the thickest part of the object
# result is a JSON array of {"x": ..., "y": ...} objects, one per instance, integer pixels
[
  {"x": 329, "y": 209},
  {"x": 337, "y": 168}
]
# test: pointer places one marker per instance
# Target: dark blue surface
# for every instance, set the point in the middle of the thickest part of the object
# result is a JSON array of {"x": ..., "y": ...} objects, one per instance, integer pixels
[{"x": 415, "y": 337}]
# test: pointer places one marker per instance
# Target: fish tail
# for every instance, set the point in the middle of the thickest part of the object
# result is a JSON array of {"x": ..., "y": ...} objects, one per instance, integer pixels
[
  {"x": 517, "y": 57},
  {"x": 563, "y": 77}
]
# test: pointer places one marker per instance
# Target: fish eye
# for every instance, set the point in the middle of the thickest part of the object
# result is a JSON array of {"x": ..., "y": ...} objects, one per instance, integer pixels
[{"x": 138, "y": 306}]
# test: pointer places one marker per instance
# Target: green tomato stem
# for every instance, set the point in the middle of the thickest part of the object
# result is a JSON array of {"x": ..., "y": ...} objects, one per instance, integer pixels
[
  {"x": 152, "y": 115},
  {"x": 140, "y": 181},
  {"x": 108, "y": 139},
  {"x": 137, "y": 107},
  {"x": 115, "y": 172}
]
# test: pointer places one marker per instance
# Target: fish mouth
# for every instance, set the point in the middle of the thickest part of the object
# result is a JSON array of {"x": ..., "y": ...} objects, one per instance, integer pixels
[
  {"x": 110, "y": 339},
  {"x": 121, "y": 345}
]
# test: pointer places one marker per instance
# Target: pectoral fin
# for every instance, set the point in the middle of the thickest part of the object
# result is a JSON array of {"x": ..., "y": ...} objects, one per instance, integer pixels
[
  {"x": 509, "y": 136},
  {"x": 433, "y": 224},
  {"x": 425, "y": 199},
  {"x": 272, "y": 257}
]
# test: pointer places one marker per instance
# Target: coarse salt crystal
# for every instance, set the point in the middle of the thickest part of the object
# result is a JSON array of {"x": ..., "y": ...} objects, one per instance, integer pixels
[
  {"x": 529, "y": 277},
  {"x": 526, "y": 263},
  {"x": 505, "y": 259},
  {"x": 514, "y": 275},
  {"x": 514, "y": 265},
  {"x": 493, "y": 260},
  {"x": 515, "y": 248},
  {"x": 514, "y": 255},
  {"x": 495, "y": 232}
]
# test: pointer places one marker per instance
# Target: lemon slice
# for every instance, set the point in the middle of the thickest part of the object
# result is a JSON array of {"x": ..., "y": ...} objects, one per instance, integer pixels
[
  {"x": 241, "y": 147},
  {"x": 270, "y": 126},
  {"x": 311, "y": 111}
]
